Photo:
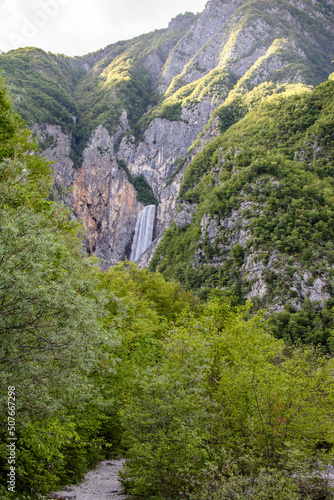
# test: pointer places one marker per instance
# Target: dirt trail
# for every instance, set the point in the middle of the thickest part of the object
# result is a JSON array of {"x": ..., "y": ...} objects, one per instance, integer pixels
[{"x": 99, "y": 484}]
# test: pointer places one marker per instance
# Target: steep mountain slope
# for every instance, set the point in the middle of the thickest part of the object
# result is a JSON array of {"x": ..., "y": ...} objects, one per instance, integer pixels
[
  {"x": 232, "y": 48},
  {"x": 256, "y": 206},
  {"x": 142, "y": 109},
  {"x": 41, "y": 86},
  {"x": 79, "y": 107}
]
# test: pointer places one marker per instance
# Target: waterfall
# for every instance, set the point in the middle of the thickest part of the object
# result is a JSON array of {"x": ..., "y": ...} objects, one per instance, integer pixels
[{"x": 143, "y": 232}]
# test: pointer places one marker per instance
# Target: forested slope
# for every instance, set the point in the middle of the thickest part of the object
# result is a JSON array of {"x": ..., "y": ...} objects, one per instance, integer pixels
[
  {"x": 200, "y": 397},
  {"x": 261, "y": 196},
  {"x": 80, "y": 93}
]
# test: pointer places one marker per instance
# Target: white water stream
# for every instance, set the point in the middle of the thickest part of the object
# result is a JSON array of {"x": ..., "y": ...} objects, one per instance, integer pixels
[{"x": 143, "y": 232}]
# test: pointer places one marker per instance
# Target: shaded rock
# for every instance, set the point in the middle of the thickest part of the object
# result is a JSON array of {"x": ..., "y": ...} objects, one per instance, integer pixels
[
  {"x": 105, "y": 200},
  {"x": 186, "y": 214}
]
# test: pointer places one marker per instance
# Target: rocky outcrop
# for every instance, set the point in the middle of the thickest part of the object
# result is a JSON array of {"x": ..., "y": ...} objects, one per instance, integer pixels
[
  {"x": 99, "y": 191},
  {"x": 56, "y": 146},
  {"x": 186, "y": 214},
  {"x": 201, "y": 33},
  {"x": 105, "y": 200},
  {"x": 164, "y": 143},
  {"x": 261, "y": 277}
]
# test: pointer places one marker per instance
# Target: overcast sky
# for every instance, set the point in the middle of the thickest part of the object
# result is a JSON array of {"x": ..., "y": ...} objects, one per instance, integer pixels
[{"x": 76, "y": 27}]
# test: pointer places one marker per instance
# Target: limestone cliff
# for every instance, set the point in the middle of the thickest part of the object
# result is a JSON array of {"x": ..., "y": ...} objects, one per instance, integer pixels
[
  {"x": 152, "y": 103},
  {"x": 56, "y": 146},
  {"x": 99, "y": 191},
  {"x": 106, "y": 200}
]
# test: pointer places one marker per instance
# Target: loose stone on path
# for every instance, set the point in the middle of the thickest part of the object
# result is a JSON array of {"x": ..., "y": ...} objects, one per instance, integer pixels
[{"x": 99, "y": 484}]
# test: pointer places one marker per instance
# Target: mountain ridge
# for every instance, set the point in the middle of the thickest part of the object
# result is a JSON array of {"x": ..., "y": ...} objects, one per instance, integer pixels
[{"x": 146, "y": 107}]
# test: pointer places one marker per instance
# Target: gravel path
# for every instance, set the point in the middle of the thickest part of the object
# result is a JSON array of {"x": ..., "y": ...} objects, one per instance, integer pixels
[{"x": 99, "y": 484}]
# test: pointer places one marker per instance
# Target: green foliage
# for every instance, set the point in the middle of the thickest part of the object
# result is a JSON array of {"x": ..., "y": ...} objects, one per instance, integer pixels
[
  {"x": 311, "y": 325},
  {"x": 144, "y": 191},
  {"x": 247, "y": 407},
  {"x": 16, "y": 142},
  {"x": 198, "y": 167},
  {"x": 40, "y": 90},
  {"x": 49, "y": 321},
  {"x": 275, "y": 167},
  {"x": 175, "y": 239},
  {"x": 47, "y": 142},
  {"x": 237, "y": 254},
  {"x": 272, "y": 484},
  {"x": 237, "y": 105},
  {"x": 229, "y": 114},
  {"x": 172, "y": 112},
  {"x": 144, "y": 291},
  {"x": 139, "y": 308}
]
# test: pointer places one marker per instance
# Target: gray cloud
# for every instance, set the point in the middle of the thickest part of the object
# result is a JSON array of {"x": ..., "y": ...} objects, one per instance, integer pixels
[{"x": 76, "y": 27}]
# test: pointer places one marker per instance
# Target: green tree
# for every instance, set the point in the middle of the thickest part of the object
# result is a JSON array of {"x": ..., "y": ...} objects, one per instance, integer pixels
[
  {"x": 225, "y": 400},
  {"x": 49, "y": 316}
]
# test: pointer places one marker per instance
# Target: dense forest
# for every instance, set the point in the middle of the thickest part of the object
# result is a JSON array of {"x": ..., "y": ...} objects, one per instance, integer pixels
[
  {"x": 263, "y": 192},
  {"x": 195, "y": 390}
]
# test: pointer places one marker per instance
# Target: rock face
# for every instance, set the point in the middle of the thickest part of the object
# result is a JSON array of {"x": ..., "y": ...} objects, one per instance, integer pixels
[
  {"x": 164, "y": 143},
  {"x": 196, "y": 54},
  {"x": 259, "y": 273},
  {"x": 99, "y": 191},
  {"x": 57, "y": 147},
  {"x": 195, "y": 65},
  {"x": 106, "y": 200}
]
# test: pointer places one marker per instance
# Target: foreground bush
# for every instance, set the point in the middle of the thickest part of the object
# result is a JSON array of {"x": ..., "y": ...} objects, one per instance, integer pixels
[{"x": 226, "y": 392}]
